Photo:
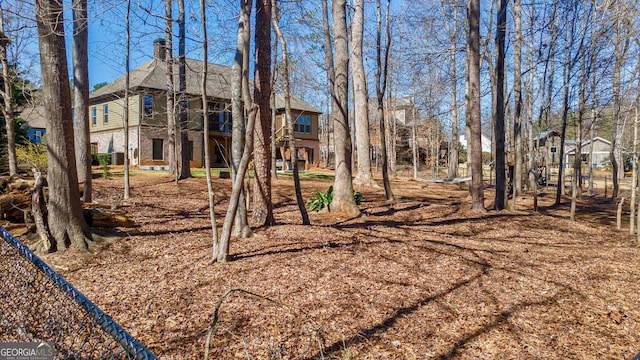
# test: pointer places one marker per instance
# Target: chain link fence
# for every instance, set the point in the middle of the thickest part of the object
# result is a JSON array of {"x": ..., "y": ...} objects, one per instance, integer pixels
[{"x": 37, "y": 304}]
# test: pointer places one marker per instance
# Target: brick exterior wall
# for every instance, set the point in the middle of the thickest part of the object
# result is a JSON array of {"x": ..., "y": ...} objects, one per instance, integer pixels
[
  {"x": 148, "y": 133},
  {"x": 113, "y": 141}
]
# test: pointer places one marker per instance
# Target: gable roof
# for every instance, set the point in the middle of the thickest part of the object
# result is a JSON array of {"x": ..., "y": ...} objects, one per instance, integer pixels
[
  {"x": 296, "y": 103},
  {"x": 545, "y": 134},
  {"x": 34, "y": 116},
  {"x": 152, "y": 75},
  {"x": 585, "y": 142}
]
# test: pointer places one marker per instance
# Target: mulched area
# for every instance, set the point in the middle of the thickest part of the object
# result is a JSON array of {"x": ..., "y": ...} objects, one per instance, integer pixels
[{"x": 421, "y": 278}]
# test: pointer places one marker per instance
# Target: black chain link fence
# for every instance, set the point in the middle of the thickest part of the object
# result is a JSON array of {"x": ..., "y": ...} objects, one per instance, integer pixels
[{"x": 37, "y": 304}]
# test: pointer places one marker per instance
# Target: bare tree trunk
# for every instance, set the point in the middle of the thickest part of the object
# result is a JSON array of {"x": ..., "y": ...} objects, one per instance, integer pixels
[
  {"x": 274, "y": 76},
  {"x": 38, "y": 209},
  {"x": 576, "y": 183},
  {"x": 185, "y": 168},
  {"x": 343, "y": 200},
  {"x": 361, "y": 96},
  {"x": 500, "y": 199},
  {"x": 239, "y": 93},
  {"x": 288, "y": 116},
  {"x": 328, "y": 58},
  {"x": 634, "y": 178},
  {"x": 171, "y": 114},
  {"x": 66, "y": 221},
  {"x": 618, "y": 127},
  {"x": 473, "y": 104},
  {"x": 125, "y": 118},
  {"x": 381, "y": 86},
  {"x": 81, "y": 96},
  {"x": 454, "y": 145},
  {"x": 414, "y": 140},
  {"x": 569, "y": 63},
  {"x": 205, "y": 117},
  {"x": 239, "y": 108},
  {"x": 221, "y": 248},
  {"x": 262, "y": 213},
  {"x": 7, "y": 96},
  {"x": 517, "y": 92},
  {"x": 636, "y": 157}
]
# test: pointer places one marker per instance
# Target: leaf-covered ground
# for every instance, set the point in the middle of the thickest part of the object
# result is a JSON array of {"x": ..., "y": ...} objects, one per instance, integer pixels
[{"x": 421, "y": 278}]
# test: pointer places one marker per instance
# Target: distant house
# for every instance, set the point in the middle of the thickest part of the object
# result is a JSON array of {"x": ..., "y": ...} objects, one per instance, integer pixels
[
  {"x": 601, "y": 152},
  {"x": 34, "y": 122},
  {"x": 547, "y": 144},
  {"x": 486, "y": 143},
  {"x": 148, "y": 138}
]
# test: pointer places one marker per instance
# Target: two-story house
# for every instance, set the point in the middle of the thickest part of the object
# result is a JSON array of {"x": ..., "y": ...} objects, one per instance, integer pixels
[{"x": 148, "y": 132}]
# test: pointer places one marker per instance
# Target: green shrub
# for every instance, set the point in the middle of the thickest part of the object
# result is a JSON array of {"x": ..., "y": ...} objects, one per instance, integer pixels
[
  {"x": 357, "y": 196},
  {"x": 104, "y": 160},
  {"x": 32, "y": 155},
  {"x": 323, "y": 199}
]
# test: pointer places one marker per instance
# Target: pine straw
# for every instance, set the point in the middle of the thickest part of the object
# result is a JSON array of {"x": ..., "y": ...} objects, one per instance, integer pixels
[{"x": 424, "y": 278}]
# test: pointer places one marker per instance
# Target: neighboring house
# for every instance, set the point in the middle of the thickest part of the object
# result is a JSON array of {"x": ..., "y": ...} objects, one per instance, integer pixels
[
  {"x": 601, "y": 152},
  {"x": 148, "y": 133},
  {"x": 34, "y": 122},
  {"x": 548, "y": 145},
  {"x": 486, "y": 143}
]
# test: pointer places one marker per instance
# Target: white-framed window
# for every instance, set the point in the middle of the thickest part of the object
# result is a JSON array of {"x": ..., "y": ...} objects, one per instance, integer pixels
[
  {"x": 147, "y": 102},
  {"x": 94, "y": 116},
  {"x": 553, "y": 149},
  {"x": 105, "y": 114}
]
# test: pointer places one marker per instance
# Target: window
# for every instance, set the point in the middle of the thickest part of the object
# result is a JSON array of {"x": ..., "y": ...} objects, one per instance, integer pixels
[
  {"x": 148, "y": 105},
  {"x": 37, "y": 136},
  {"x": 219, "y": 118},
  {"x": 94, "y": 148},
  {"x": 94, "y": 116},
  {"x": 553, "y": 149},
  {"x": 302, "y": 124},
  {"x": 105, "y": 114},
  {"x": 158, "y": 149}
]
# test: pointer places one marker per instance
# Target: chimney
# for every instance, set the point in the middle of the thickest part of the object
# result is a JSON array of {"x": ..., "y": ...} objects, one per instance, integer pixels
[{"x": 160, "y": 49}]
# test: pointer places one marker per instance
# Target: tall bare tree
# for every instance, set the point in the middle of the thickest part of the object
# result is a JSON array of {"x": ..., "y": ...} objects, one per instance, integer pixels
[
  {"x": 573, "y": 43},
  {"x": 499, "y": 137},
  {"x": 343, "y": 200},
  {"x": 239, "y": 108},
  {"x": 7, "y": 107},
  {"x": 473, "y": 104},
  {"x": 382, "y": 74},
  {"x": 262, "y": 213},
  {"x": 239, "y": 94},
  {"x": 454, "y": 144},
  {"x": 171, "y": 93},
  {"x": 328, "y": 63},
  {"x": 81, "y": 96},
  {"x": 185, "y": 168},
  {"x": 125, "y": 117},
  {"x": 621, "y": 46},
  {"x": 361, "y": 96},
  {"x": 205, "y": 117},
  {"x": 517, "y": 93},
  {"x": 288, "y": 117},
  {"x": 66, "y": 222}
]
